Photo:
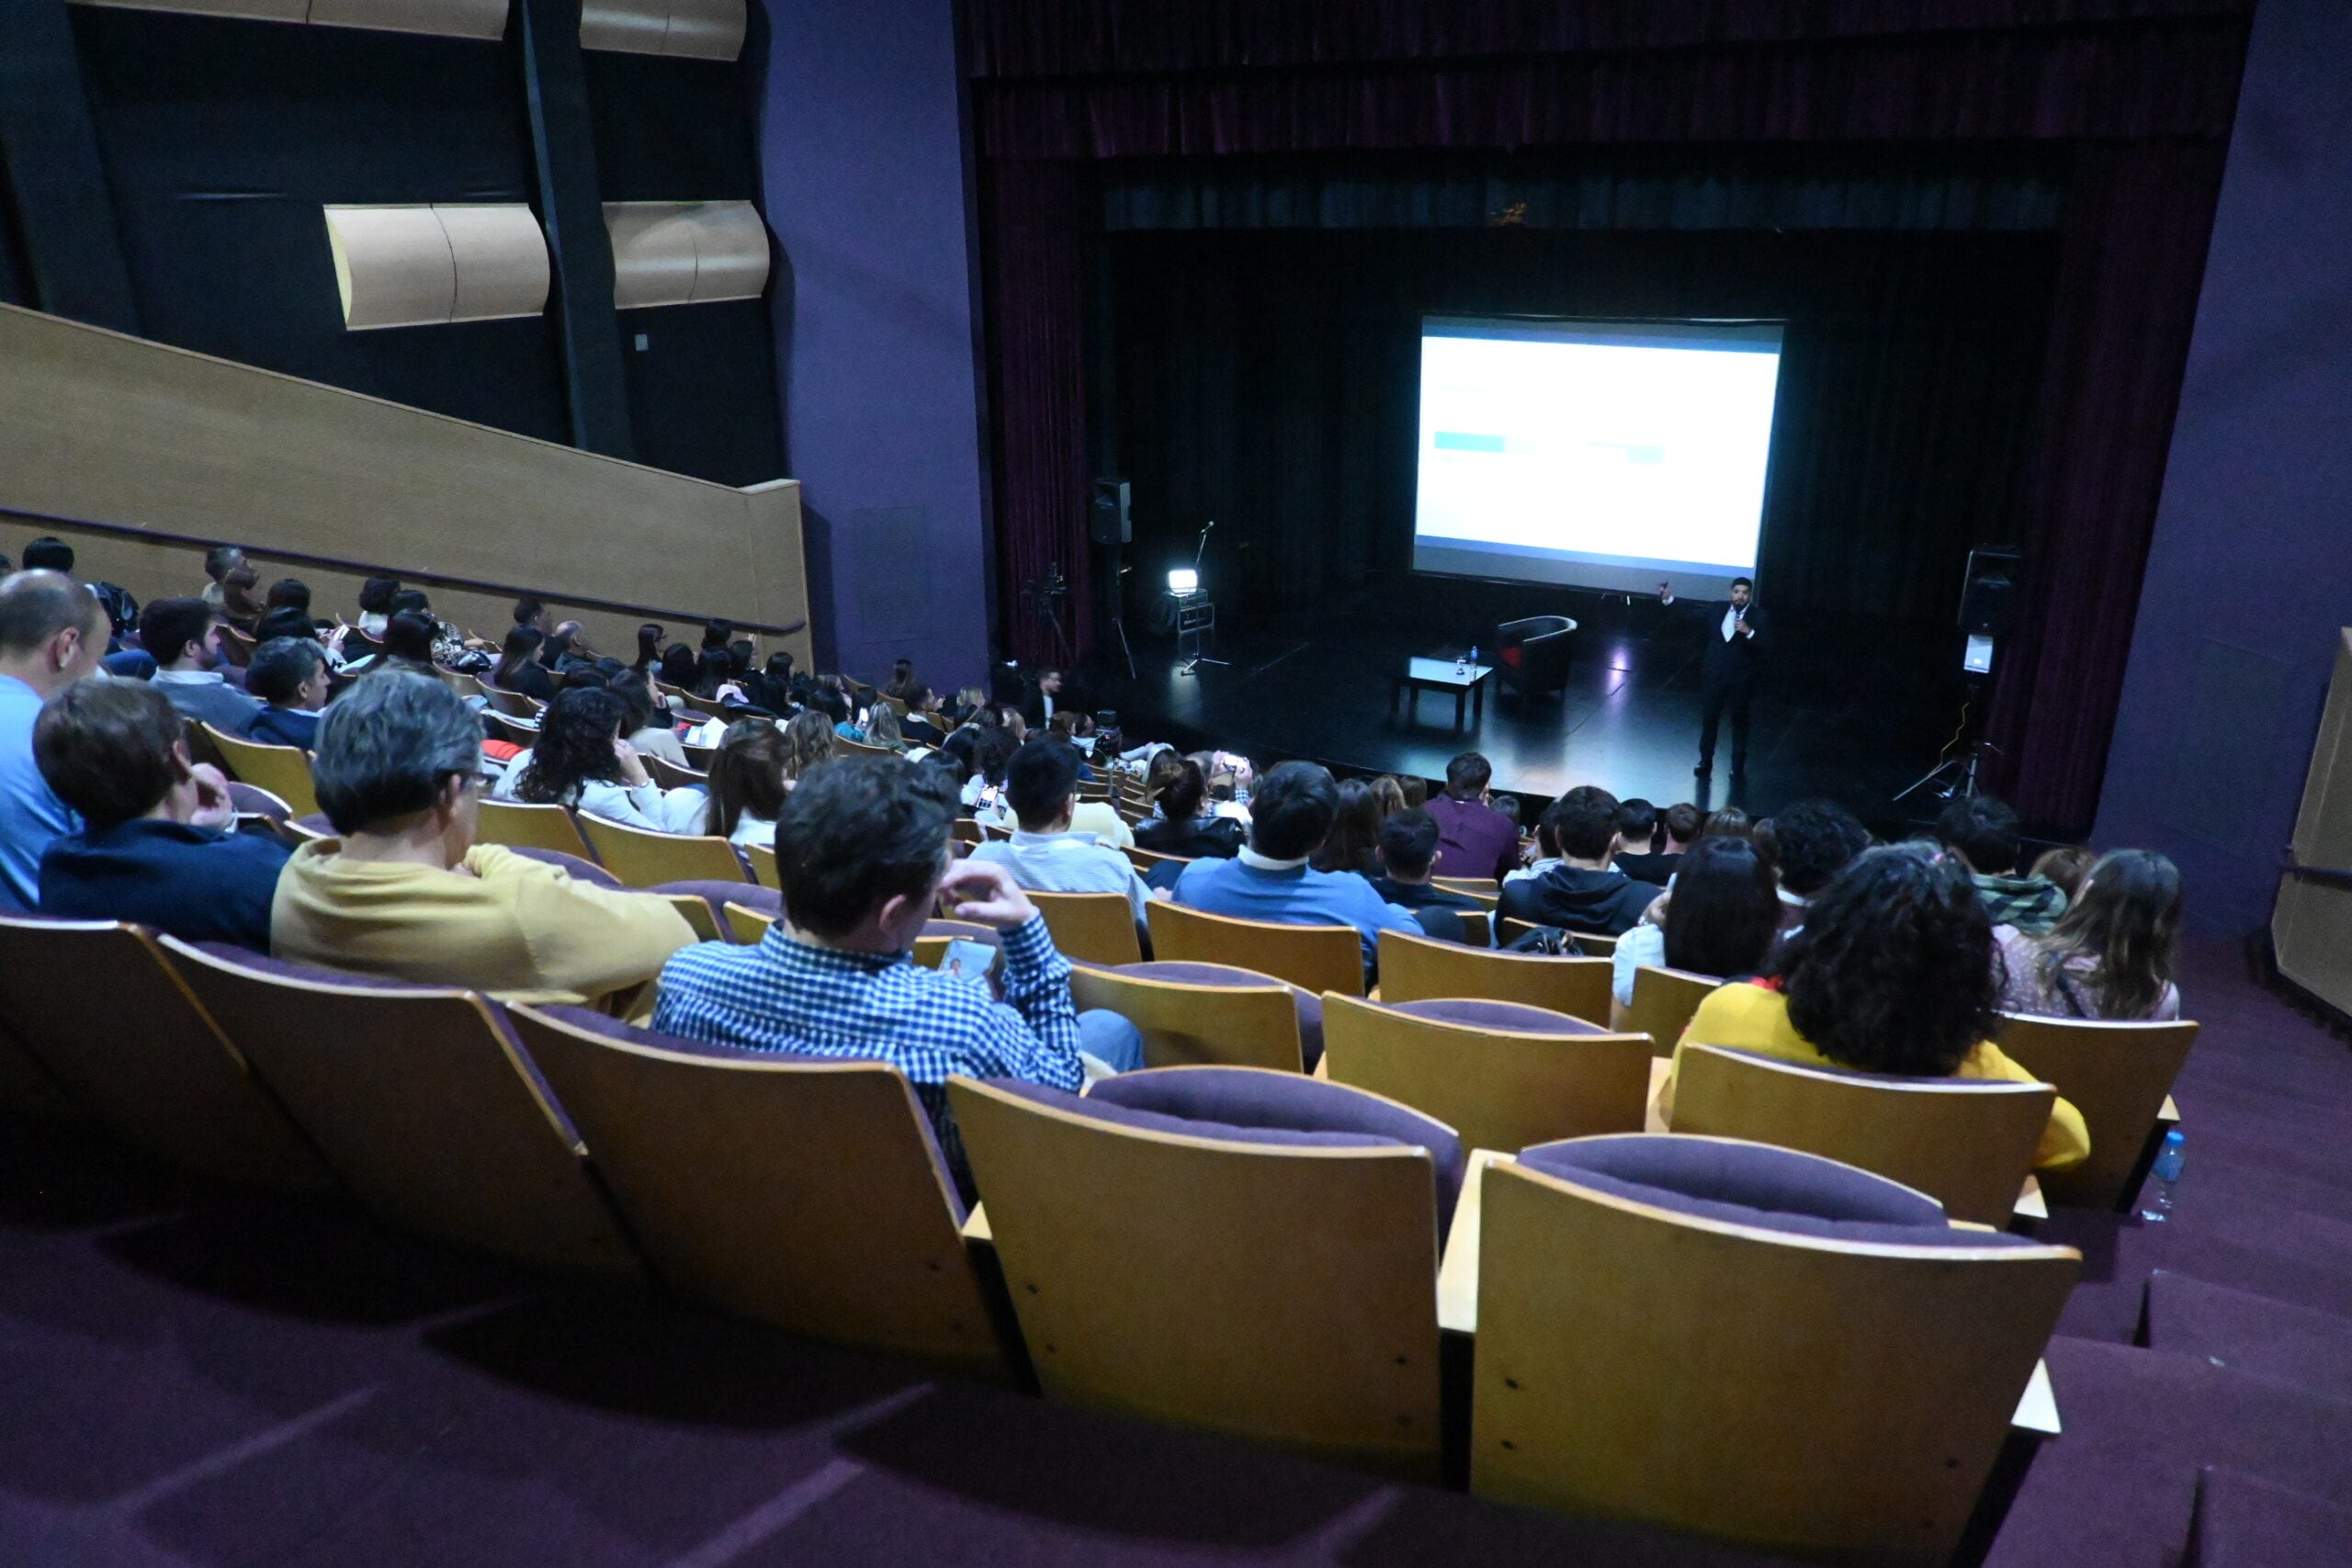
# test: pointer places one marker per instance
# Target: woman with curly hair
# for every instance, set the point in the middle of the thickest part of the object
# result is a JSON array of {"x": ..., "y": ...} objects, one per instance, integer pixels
[
  {"x": 2111, "y": 953},
  {"x": 1892, "y": 973},
  {"x": 580, "y": 760},
  {"x": 808, "y": 741}
]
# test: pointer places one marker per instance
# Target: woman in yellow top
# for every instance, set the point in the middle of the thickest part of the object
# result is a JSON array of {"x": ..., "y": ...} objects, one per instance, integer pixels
[{"x": 1893, "y": 971}]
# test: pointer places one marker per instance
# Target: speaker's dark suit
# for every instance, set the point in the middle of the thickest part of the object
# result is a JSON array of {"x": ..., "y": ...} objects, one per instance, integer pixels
[{"x": 1726, "y": 674}]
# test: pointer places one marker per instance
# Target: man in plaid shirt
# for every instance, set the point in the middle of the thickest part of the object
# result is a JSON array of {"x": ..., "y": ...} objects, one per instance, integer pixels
[{"x": 862, "y": 852}]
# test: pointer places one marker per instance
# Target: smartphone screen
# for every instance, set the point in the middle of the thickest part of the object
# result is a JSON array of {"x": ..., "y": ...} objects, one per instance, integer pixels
[{"x": 968, "y": 960}]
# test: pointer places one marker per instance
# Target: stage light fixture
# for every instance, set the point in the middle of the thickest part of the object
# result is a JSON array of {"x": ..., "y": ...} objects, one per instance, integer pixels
[{"x": 1183, "y": 580}]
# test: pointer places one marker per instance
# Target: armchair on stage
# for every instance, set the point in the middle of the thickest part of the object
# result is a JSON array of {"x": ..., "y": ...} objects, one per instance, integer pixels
[{"x": 1532, "y": 655}]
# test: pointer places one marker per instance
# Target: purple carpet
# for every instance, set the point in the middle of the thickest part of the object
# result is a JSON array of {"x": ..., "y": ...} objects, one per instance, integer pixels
[{"x": 200, "y": 1378}]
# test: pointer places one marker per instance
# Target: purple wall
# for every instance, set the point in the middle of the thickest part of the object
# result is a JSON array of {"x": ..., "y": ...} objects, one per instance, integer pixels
[
  {"x": 863, "y": 180},
  {"x": 2250, "y": 574}
]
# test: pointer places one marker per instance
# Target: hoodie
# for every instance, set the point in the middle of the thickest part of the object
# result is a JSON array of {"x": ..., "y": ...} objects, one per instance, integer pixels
[{"x": 1605, "y": 903}]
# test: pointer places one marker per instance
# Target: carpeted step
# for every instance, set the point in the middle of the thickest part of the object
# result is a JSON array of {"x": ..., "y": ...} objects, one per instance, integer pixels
[
  {"x": 2243, "y": 1522},
  {"x": 2118, "y": 1488},
  {"x": 2256, "y": 1335}
]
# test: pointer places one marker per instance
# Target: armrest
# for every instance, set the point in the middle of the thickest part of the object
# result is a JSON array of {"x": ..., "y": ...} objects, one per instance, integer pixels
[
  {"x": 1457, "y": 1272},
  {"x": 1651, "y": 1120},
  {"x": 2036, "y": 1412}
]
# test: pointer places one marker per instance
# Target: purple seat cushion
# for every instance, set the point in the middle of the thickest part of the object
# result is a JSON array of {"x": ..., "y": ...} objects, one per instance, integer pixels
[
  {"x": 1517, "y": 1017},
  {"x": 251, "y": 801},
  {"x": 579, "y": 870},
  {"x": 718, "y": 895},
  {"x": 319, "y": 974},
  {"x": 1756, "y": 1185},
  {"x": 316, "y": 823},
  {"x": 1290, "y": 1103},
  {"x": 1308, "y": 1006}
]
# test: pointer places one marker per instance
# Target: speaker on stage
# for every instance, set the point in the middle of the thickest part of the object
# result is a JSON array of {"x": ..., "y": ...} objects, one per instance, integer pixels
[
  {"x": 1989, "y": 596},
  {"x": 1106, "y": 520}
]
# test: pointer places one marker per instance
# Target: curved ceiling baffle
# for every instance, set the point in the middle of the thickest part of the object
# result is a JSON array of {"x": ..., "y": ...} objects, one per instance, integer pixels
[
  {"x": 441, "y": 18},
  {"x": 697, "y": 30},
  {"x": 685, "y": 252},
  {"x": 428, "y": 266}
]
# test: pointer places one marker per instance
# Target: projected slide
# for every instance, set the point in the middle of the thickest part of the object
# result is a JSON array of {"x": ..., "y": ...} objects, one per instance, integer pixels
[{"x": 1603, "y": 453}]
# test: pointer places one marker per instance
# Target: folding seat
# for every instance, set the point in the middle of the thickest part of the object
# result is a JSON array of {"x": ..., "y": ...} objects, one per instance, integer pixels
[
  {"x": 1418, "y": 969},
  {"x": 1314, "y": 958},
  {"x": 2120, "y": 1076}
]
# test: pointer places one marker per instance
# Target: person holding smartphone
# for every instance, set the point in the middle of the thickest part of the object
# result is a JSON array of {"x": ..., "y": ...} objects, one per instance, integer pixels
[{"x": 863, "y": 857}]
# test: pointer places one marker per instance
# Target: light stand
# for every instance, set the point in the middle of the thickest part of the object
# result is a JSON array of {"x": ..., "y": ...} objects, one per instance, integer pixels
[
  {"x": 1956, "y": 777},
  {"x": 1195, "y": 613},
  {"x": 1043, "y": 596}
]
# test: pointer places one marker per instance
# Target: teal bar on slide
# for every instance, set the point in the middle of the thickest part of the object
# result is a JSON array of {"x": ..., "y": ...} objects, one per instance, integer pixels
[{"x": 1460, "y": 441}]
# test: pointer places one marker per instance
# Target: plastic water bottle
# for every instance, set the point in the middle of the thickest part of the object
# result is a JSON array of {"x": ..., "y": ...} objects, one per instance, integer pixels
[
  {"x": 1474, "y": 656},
  {"x": 2165, "y": 1174}
]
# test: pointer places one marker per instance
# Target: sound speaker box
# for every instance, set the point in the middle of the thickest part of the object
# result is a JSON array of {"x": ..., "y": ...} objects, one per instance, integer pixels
[
  {"x": 1107, "y": 521},
  {"x": 1988, "y": 598}
]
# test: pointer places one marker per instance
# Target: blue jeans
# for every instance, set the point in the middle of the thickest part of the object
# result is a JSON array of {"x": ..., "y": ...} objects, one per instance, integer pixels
[{"x": 1103, "y": 1034}]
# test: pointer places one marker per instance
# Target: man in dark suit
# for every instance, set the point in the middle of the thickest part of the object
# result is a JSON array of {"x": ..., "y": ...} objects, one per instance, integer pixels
[{"x": 1726, "y": 669}]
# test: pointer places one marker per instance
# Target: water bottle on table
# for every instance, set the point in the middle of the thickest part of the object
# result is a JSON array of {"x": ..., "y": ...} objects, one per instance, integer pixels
[{"x": 2165, "y": 1177}]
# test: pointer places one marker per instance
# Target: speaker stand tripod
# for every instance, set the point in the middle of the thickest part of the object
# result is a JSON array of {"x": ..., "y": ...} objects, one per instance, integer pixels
[{"x": 1955, "y": 779}]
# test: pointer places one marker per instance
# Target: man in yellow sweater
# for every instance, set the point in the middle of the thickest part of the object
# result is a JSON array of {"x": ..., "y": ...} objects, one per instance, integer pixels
[
  {"x": 1892, "y": 973},
  {"x": 406, "y": 893}
]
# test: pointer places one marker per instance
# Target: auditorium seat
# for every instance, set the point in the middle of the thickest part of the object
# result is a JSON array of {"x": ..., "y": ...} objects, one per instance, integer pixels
[
  {"x": 1205, "y": 1013},
  {"x": 1968, "y": 1143},
  {"x": 669, "y": 775},
  {"x": 2120, "y": 1076},
  {"x": 1159, "y": 1238},
  {"x": 419, "y": 1098},
  {"x": 747, "y": 925},
  {"x": 763, "y": 859},
  {"x": 1592, "y": 946},
  {"x": 1149, "y": 860},
  {"x": 283, "y": 771},
  {"x": 1419, "y": 968},
  {"x": 644, "y": 858},
  {"x": 513, "y": 704},
  {"x": 25, "y": 1087},
  {"x": 515, "y": 731},
  {"x": 519, "y": 826},
  {"x": 1314, "y": 958},
  {"x": 966, "y": 830},
  {"x": 1097, "y": 928},
  {"x": 579, "y": 870},
  {"x": 1664, "y": 1000},
  {"x": 97, "y": 1004},
  {"x": 801, "y": 1191},
  {"x": 930, "y": 946},
  {"x": 1501, "y": 1075},
  {"x": 1818, "y": 1364}
]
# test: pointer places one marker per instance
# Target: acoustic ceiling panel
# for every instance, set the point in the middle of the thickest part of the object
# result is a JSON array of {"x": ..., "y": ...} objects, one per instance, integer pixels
[
  {"x": 699, "y": 30},
  {"x": 426, "y": 266},
  {"x": 685, "y": 252},
  {"x": 443, "y": 19}
]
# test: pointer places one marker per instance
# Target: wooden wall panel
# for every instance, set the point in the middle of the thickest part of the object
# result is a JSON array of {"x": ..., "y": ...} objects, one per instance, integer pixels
[{"x": 138, "y": 439}]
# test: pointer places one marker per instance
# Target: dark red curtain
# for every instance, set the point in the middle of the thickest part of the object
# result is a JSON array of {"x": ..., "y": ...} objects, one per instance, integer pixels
[{"x": 2141, "y": 91}]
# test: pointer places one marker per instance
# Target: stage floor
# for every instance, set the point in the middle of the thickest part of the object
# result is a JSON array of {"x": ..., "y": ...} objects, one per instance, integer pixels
[{"x": 1853, "y": 716}]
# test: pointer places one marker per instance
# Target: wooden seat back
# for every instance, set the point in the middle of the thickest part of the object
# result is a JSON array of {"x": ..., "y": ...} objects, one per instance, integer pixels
[
  {"x": 513, "y": 704},
  {"x": 283, "y": 771},
  {"x": 669, "y": 775},
  {"x": 2118, "y": 1075},
  {"x": 747, "y": 925},
  {"x": 644, "y": 858},
  {"x": 1832, "y": 1401},
  {"x": 1278, "y": 1292},
  {"x": 1185, "y": 1023},
  {"x": 1968, "y": 1143},
  {"x": 1092, "y": 928},
  {"x": 522, "y": 827},
  {"x": 1149, "y": 860},
  {"x": 150, "y": 1063},
  {"x": 763, "y": 871},
  {"x": 804, "y": 1194},
  {"x": 1422, "y": 969},
  {"x": 1313, "y": 958},
  {"x": 1663, "y": 1001},
  {"x": 420, "y": 1101},
  {"x": 1501, "y": 1088},
  {"x": 515, "y": 731}
]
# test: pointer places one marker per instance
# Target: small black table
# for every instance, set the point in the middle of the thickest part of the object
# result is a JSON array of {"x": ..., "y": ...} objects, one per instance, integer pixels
[{"x": 1465, "y": 681}]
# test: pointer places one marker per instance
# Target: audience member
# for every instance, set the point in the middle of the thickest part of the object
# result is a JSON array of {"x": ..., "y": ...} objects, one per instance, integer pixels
[
  {"x": 1180, "y": 821},
  {"x": 1984, "y": 832},
  {"x": 2066, "y": 866},
  {"x": 158, "y": 844},
  {"x": 747, "y": 784},
  {"x": 2111, "y": 954},
  {"x": 1720, "y": 920},
  {"x": 407, "y": 644},
  {"x": 288, "y": 593},
  {"x": 518, "y": 668},
  {"x": 52, "y": 634},
  {"x": 580, "y": 760},
  {"x": 184, "y": 637},
  {"x": 376, "y": 596},
  {"x": 647, "y": 724},
  {"x": 1892, "y": 973},
  {"x": 678, "y": 666},
  {"x": 405, "y": 892},
  {"x": 862, "y": 854},
  {"x": 290, "y": 675},
  {"x": 1045, "y": 854},
  {"x": 49, "y": 553},
  {"x": 531, "y": 611},
  {"x": 231, "y": 594},
  {"x": 444, "y": 643},
  {"x": 902, "y": 679},
  {"x": 1642, "y": 825},
  {"x": 1354, "y": 842},
  {"x": 1408, "y": 850},
  {"x": 1045, "y": 696},
  {"x": 882, "y": 727},
  {"x": 1728, "y": 823},
  {"x": 1812, "y": 842},
  {"x": 1474, "y": 840},
  {"x": 808, "y": 743},
  {"x": 1270, "y": 880},
  {"x": 649, "y": 647},
  {"x": 1585, "y": 892},
  {"x": 1414, "y": 790},
  {"x": 287, "y": 621},
  {"x": 925, "y": 724},
  {"x": 1387, "y": 797}
]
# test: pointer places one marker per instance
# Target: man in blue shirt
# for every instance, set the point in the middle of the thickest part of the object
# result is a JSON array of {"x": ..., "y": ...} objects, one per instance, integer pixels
[
  {"x": 290, "y": 673},
  {"x": 157, "y": 845},
  {"x": 52, "y": 633},
  {"x": 183, "y": 636},
  {"x": 1044, "y": 855},
  {"x": 860, "y": 851},
  {"x": 1289, "y": 818}
]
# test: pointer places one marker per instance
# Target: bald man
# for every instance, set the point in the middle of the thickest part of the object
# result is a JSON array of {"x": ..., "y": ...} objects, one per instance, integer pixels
[{"x": 52, "y": 633}]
